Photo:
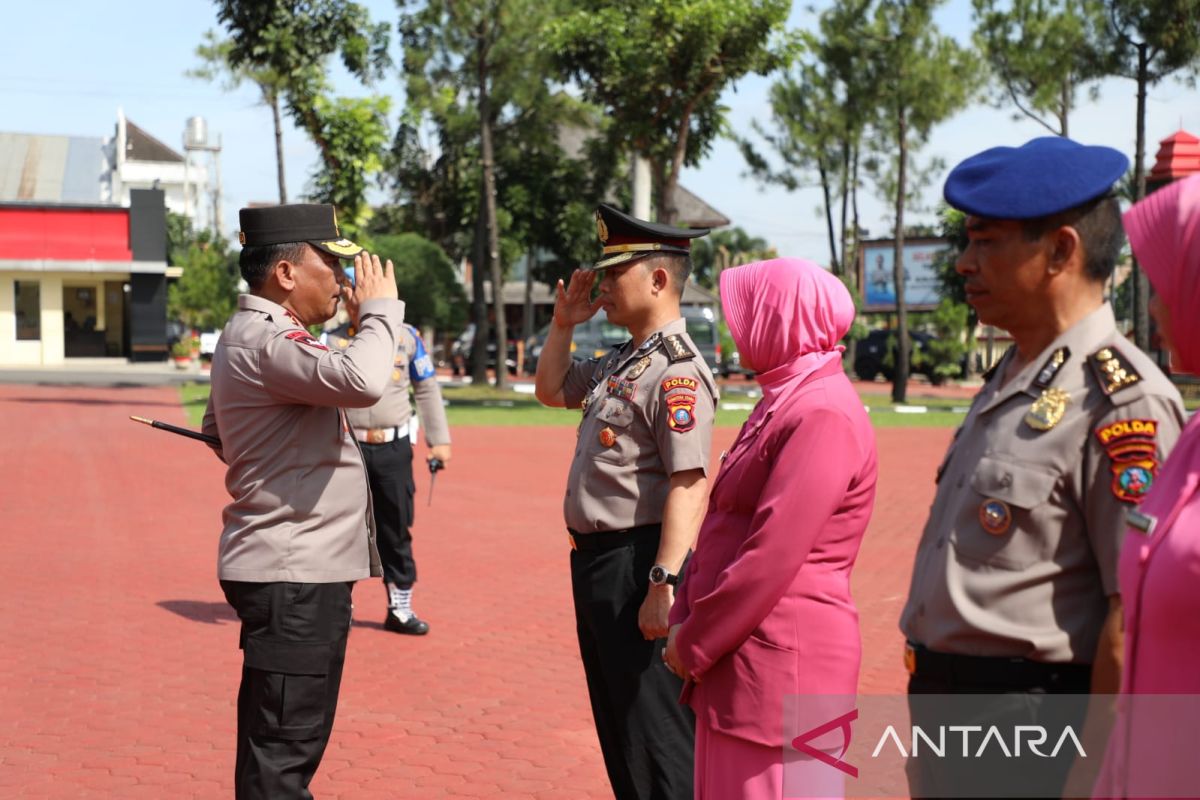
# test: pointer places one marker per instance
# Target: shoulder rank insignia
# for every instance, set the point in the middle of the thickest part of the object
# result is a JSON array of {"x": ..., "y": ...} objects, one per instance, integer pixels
[
  {"x": 677, "y": 349},
  {"x": 641, "y": 366},
  {"x": 1132, "y": 450},
  {"x": 1047, "y": 411},
  {"x": 303, "y": 337},
  {"x": 1050, "y": 369},
  {"x": 1112, "y": 370}
]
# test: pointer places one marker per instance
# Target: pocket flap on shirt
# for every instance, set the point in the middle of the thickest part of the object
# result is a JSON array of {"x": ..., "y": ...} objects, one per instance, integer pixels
[
  {"x": 1018, "y": 484},
  {"x": 616, "y": 412}
]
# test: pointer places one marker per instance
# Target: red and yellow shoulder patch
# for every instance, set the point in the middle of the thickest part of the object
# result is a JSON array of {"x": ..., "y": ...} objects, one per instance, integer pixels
[
  {"x": 671, "y": 384},
  {"x": 681, "y": 411},
  {"x": 1133, "y": 452}
]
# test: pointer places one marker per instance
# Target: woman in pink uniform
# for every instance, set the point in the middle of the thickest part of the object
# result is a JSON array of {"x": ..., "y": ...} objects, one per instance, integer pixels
[
  {"x": 765, "y": 608},
  {"x": 1152, "y": 748}
]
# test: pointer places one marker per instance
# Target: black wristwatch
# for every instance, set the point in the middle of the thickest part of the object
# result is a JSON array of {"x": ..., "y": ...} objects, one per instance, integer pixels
[{"x": 659, "y": 576}]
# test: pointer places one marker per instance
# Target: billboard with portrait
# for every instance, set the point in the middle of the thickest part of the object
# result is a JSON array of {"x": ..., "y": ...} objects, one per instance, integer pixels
[{"x": 922, "y": 288}]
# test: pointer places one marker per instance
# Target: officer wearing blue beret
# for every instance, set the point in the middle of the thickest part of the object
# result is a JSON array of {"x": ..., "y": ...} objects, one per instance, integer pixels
[{"x": 1014, "y": 588}]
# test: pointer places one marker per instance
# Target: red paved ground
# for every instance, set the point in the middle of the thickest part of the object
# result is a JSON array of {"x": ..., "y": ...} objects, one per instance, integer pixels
[{"x": 119, "y": 657}]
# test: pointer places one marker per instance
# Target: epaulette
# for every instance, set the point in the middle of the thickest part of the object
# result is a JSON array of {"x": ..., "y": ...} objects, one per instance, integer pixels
[
  {"x": 677, "y": 349},
  {"x": 1112, "y": 370}
]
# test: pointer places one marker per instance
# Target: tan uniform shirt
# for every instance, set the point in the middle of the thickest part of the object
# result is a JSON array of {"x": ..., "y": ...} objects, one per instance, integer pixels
[
  {"x": 301, "y": 503},
  {"x": 413, "y": 367},
  {"x": 1020, "y": 551},
  {"x": 647, "y": 414}
]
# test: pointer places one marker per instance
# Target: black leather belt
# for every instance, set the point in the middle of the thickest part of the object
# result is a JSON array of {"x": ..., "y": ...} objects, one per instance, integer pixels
[
  {"x": 986, "y": 671},
  {"x": 608, "y": 540}
]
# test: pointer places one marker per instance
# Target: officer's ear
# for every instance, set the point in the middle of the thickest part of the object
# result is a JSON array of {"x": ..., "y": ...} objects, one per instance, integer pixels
[
  {"x": 285, "y": 274},
  {"x": 1065, "y": 245},
  {"x": 660, "y": 279}
]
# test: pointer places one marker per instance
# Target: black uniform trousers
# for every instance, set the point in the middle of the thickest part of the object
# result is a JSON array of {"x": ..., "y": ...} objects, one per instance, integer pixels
[
  {"x": 389, "y": 469},
  {"x": 1001, "y": 692},
  {"x": 647, "y": 737},
  {"x": 293, "y": 640}
]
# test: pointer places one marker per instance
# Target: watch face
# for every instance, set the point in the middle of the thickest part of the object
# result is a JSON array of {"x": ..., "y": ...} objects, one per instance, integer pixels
[{"x": 658, "y": 574}]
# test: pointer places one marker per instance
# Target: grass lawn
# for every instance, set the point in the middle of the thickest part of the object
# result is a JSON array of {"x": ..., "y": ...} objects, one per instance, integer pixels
[{"x": 484, "y": 406}]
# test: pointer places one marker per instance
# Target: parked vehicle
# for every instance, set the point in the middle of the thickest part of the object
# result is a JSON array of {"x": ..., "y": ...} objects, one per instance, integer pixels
[{"x": 871, "y": 356}]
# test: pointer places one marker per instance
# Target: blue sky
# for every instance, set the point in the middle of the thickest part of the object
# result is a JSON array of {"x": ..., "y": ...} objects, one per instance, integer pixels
[{"x": 67, "y": 67}]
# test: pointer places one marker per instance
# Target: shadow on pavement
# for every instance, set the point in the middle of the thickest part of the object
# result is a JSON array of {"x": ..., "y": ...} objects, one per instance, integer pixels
[{"x": 200, "y": 610}]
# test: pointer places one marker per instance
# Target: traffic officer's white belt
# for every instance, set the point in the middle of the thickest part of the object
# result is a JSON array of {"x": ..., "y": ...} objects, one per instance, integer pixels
[{"x": 380, "y": 435}]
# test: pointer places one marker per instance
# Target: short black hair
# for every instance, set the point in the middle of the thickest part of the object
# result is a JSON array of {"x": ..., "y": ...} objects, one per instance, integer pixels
[
  {"x": 257, "y": 261},
  {"x": 1098, "y": 223},
  {"x": 678, "y": 266}
]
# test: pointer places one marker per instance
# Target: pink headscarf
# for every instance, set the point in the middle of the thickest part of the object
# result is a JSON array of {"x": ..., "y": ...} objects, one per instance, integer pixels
[
  {"x": 1164, "y": 230},
  {"x": 786, "y": 317}
]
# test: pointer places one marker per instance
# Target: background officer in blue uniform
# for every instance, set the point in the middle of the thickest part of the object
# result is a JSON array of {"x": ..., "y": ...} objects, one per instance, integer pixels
[{"x": 384, "y": 433}]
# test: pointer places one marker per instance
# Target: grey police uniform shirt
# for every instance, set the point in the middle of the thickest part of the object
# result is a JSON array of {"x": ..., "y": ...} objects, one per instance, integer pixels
[
  {"x": 1020, "y": 551},
  {"x": 647, "y": 414},
  {"x": 412, "y": 366},
  {"x": 301, "y": 502}
]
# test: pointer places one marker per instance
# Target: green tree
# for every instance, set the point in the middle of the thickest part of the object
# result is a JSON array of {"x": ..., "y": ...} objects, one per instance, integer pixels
[
  {"x": 943, "y": 355},
  {"x": 658, "y": 71},
  {"x": 1150, "y": 40},
  {"x": 820, "y": 111},
  {"x": 214, "y": 55},
  {"x": 426, "y": 279},
  {"x": 476, "y": 74},
  {"x": 927, "y": 78},
  {"x": 292, "y": 41},
  {"x": 728, "y": 247},
  {"x": 205, "y": 296},
  {"x": 1040, "y": 52}
]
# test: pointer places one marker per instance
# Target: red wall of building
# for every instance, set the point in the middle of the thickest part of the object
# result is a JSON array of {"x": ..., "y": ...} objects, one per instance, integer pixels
[{"x": 65, "y": 234}]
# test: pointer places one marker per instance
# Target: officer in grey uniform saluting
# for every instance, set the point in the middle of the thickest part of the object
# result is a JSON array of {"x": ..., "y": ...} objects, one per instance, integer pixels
[
  {"x": 383, "y": 432},
  {"x": 1014, "y": 589},
  {"x": 636, "y": 492},
  {"x": 298, "y": 531}
]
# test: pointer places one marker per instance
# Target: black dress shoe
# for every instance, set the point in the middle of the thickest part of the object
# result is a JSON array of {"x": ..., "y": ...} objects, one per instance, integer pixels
[{"x": 413, "y": 627}]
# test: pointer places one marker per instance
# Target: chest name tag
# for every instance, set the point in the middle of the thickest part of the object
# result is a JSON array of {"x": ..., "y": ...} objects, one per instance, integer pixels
[{"x": 1140, "y": 521}]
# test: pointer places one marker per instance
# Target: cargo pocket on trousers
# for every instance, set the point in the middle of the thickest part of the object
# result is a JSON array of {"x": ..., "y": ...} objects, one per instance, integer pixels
[{"x": 288, "y": 685}]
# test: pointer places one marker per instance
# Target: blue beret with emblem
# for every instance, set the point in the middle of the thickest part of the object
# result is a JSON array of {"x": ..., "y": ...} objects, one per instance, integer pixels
[{"x": 1040, "y": 178}]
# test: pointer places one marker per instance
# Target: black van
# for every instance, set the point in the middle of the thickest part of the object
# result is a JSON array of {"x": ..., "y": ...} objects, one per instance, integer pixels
[{"x": 594, "y": 338}]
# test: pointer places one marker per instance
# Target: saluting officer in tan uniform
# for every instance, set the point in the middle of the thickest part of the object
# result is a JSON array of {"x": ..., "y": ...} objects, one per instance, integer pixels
[
  {"x": 636, "y": 492},
  {"x": 383, "y": 432},
  {"x": 1014, "y": 588},
  {"x": 298, "y": 532}
]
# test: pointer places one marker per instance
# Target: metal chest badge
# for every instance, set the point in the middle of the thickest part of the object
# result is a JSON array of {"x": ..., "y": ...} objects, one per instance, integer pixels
[
  {"x": 641, "y": 366},
  {"x": 608, "y": 437},
  {"x": 1047, "y": 411},
  {"x": 995, "y": 516}
]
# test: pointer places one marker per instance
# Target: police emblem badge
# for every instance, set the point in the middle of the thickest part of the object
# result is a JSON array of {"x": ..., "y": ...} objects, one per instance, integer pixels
[
  {"x": 641, "y": 366},
  {"x": 1047, "y": 411}
]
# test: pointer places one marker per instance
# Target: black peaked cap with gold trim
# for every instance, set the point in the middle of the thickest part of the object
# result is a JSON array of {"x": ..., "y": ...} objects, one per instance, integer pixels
[
  {"x": 315, "y": 223},
  {"x": 626, "y": 238}
]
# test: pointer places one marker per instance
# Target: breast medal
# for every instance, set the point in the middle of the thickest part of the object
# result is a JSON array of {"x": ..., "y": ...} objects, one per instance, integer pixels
[
  {"x": 1047, "y": 411},
  {"x": 995, "y": 516}
]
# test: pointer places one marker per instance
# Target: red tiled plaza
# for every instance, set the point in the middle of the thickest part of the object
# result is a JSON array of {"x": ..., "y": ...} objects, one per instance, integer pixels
[{"x": 119, "y": 655}]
